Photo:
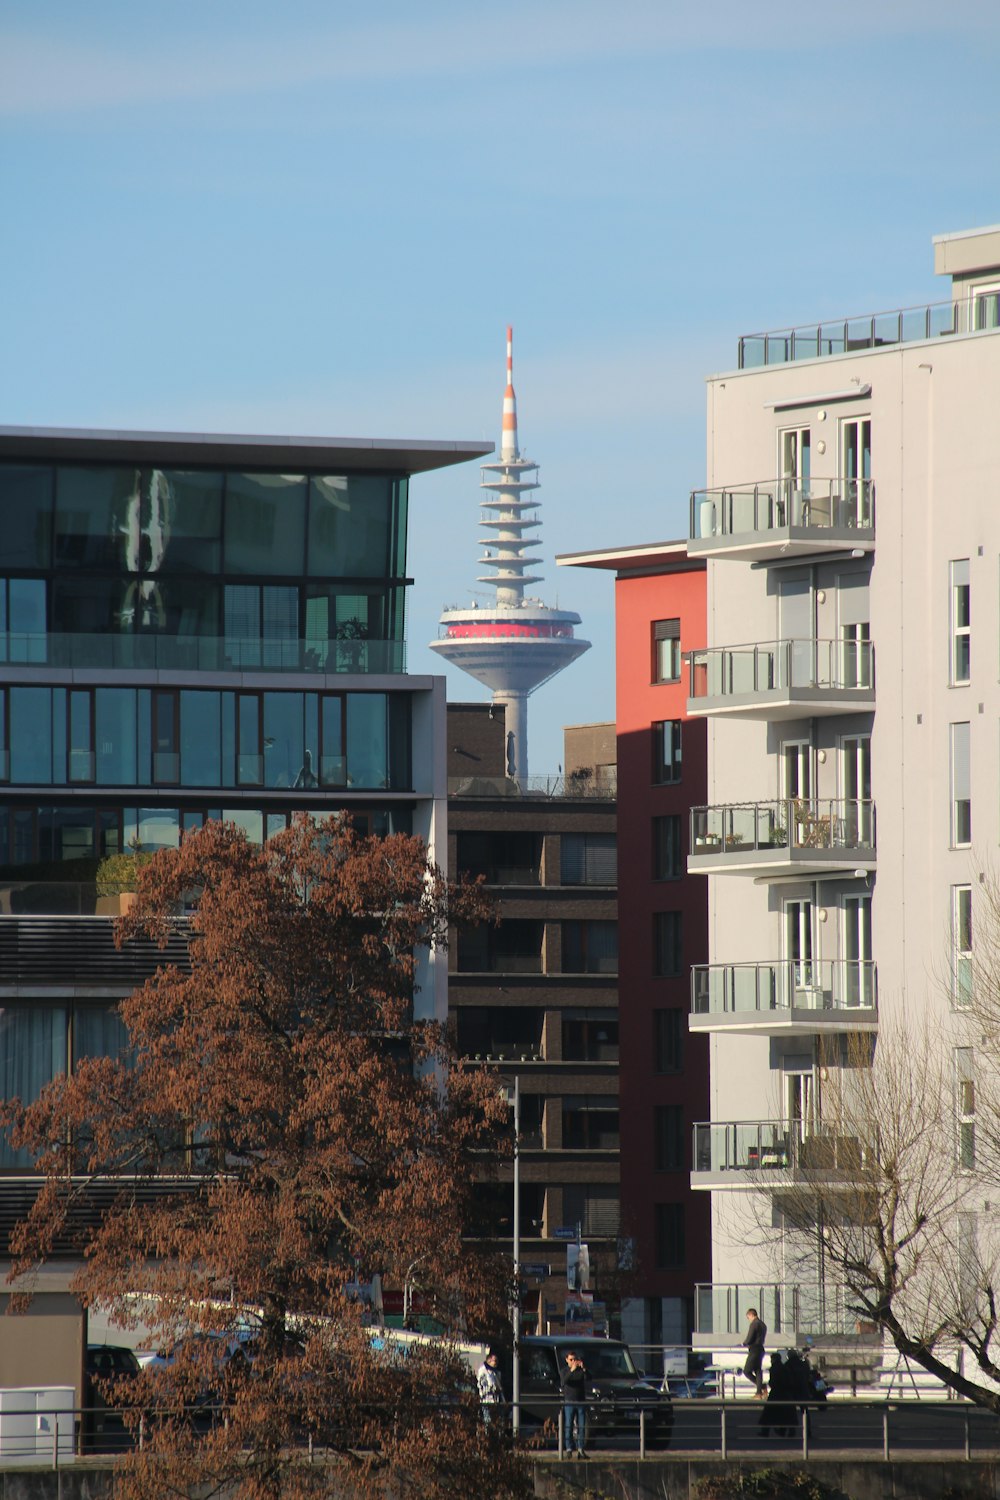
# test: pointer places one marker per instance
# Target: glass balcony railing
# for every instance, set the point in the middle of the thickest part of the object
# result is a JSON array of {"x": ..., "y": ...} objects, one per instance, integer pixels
[
  {"x": 813, "y": 505},
  {"x": 209, "y": 653},
  {"x": 762, "y": 989},
  {"x": 720, "y": 1309},
  {"x": 905, "y": 325},
  {"x": 603, "y": 787},
  {"x": 792, "y": 823},
  {"x": 781, "y": 666},
  {"x": 755, "y": 1148}
]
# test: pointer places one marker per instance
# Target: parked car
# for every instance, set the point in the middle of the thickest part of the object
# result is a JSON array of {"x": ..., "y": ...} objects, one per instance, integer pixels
[
  {"x": 106, "y": 1366},
  {"x": 617, "y": 1396}
]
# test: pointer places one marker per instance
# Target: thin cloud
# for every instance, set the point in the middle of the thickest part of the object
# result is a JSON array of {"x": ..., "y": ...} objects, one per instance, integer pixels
[{"x": 42, "y": 74}]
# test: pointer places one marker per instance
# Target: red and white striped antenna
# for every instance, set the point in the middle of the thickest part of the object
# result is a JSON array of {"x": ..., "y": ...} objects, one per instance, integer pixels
[{"x": 508, "y": 438}]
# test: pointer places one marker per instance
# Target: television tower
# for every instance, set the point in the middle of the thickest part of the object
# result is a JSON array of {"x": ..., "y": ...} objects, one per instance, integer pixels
[{"x": 516, "y": 643}]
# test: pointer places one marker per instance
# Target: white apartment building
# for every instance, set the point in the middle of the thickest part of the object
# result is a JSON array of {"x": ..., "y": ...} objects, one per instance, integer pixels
[{"x": 851, "y": 683}]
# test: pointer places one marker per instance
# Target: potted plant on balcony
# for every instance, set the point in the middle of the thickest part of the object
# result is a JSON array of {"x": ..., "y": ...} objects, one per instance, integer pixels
[{"x": 116, "y": 881}]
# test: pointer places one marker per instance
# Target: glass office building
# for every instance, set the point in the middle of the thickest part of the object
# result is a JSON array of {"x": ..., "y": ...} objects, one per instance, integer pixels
[{"x": 191, "y": 628}]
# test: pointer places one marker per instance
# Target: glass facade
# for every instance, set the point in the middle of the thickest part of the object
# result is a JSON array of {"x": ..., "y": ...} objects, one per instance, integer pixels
[
  {"x": 202, "y": 737},
  {"x": 190, "y": 554}
]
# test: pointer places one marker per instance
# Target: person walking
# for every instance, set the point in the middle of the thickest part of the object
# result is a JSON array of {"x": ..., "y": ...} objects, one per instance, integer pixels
[
  {"x": 491, "y": 1397},
  {"x": 754, "y": 1345},
  {"x": 574, "y": 1391}
]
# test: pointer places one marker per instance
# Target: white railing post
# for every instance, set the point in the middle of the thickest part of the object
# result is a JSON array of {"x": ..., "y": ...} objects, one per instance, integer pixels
[
  {"x": 562, "y": 1432},
  {"x": 642, "y": 1432},
  {"x": 55, "y": 1441},
  {"x": 723, "y": 1443}
]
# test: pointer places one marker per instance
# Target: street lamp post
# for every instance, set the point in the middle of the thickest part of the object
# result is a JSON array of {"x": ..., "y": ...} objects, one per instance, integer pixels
[{"x": 516, "y": 1376}]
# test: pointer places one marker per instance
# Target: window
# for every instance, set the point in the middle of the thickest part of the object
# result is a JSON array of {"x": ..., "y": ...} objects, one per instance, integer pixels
[
  {"x": 502, "y": 856},
  {"x": 961, "y": 624},
  {"x": 961, "y": 795},
  {"x": 488, "y": 1031},
  {"x": 666, "y": 650},
  {"x": 590, "y": 1036},
  {"x": 22, "y": 617},
  {"x": 80, "y": 726},
  {"x": 590, "y": 947},
  {"x": 668, "y": 1137},
  {"x": 668, "y": 1039},
  {"x": 667, "y": 852},
  {"x": 590, "y": 1122},
  {"x": 856, "y": 655},
  {"x": 961, "y": 945},
  {"x": 666, "y": 751},
  {"x": 515, "y": 947},
  {"x": 589, "y": 859},
  {"x": 668, "y": 1234},
  {"x": 965, "y": 1107},
  {"x": 594, "y": 1208},
  {"x": 166, "y": 738},
  {"x": 666, "y": 944}
]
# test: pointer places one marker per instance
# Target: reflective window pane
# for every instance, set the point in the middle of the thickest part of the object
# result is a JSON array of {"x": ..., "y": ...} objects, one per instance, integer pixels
[
  {"x": 114, "y": 736},
  {"x": 26, "y": 506},
  {"x": 367, "y": 747},
  {"x": 31, "y": 735},
  {"x": 201, "y": 734},
  {"x": 98, "y": 1031},
  {"x": 285, "y": 755},
  {"x": 247, "y": 818},
  {"x": 265, "y": 524},
  {"x": 97, "y": 519},
  {"x": 349, "y": 526},
  {"x": 32, "y": 1053},
  {"x": 185, "y": 517}
]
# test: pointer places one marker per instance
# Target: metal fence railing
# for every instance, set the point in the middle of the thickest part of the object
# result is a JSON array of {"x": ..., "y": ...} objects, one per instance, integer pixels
[
  {"x": 769, "y": 667},
  {"x": 978, "y": 313},
  {"x": 886, "y": 1428},
  {"x": 786, "y": 985},
  {"x": 810, "y": 505}
]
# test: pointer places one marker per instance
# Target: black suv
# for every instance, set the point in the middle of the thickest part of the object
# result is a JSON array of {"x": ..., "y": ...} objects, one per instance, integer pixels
[
  {"x": 107, "y": 1367},
  {"x": 617, "y": 1393}
]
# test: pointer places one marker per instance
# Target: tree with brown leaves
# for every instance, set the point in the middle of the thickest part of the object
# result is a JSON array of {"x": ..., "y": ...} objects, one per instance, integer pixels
[{"x": 280, "y": 1128}]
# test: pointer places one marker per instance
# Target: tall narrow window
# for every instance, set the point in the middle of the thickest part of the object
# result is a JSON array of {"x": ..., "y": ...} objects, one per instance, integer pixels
[
  {"x": 859, "y": 972},
  {"x": 669, "y": 1235},
  {"x": 667, "y": 847},
  {"x": 166, "y": 738},
  {"x": 249, "y": 760},
  {"x": 666, "y": 751},
  {"x": 965, "y": 1107},
  {"x": 961, "y": 944},
  {"x": 668, "y": 1039},
  {"x": 668, "y": 1137},
  {"x": 666, "y": 944},
  {"x": 80, "y": 749},
  {"x": 961, "y": 623},
  {"x": 961, "y": 784},
  {"x": 666, "y": 650}
]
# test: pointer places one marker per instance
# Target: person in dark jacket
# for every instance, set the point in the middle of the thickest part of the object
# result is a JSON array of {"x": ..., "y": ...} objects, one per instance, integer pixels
[
  {"x": 754, "y": 1344},
  {"x": 573, "y": 1380}
]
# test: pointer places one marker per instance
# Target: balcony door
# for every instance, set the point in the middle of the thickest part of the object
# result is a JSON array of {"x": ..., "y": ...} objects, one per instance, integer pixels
[
  {"x": 795, "y": 631},
  {"x": 856, "y": 789},
  {"x": 800, "y": 1102},
  {"x": 859, "y": 987},
  {"x": 795, "y": 463},
  {"x": 798, "y": 926},
  {"x": 855, "y": 465}
]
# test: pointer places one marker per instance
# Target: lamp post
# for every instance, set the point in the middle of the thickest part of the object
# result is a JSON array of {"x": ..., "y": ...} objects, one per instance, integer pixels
[{"x": 513, "y": 1096}]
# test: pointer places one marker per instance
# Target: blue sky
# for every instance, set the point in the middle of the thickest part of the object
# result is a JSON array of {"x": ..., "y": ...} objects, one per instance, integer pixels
[{"x": 318, "y": 218}]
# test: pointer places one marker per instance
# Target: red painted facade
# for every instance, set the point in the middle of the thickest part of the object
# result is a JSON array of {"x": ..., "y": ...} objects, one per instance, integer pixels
[{"x": 655, "y": 1162}]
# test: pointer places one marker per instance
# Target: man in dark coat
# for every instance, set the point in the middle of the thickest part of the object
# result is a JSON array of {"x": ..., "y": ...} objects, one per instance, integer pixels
[
  {"x": 754, "y": 1344},
  {"x": 573, "y": 1380}
]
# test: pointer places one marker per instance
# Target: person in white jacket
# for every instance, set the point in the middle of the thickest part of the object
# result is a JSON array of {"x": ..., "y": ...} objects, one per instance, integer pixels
[{"x": 491, "y": 1395}]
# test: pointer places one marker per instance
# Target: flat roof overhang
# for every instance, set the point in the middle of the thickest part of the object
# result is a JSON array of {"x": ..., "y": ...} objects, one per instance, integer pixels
[{"x": 335, "y": 455}]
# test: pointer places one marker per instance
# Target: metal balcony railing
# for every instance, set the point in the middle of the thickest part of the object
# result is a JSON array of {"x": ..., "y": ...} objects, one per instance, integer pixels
[
  {"x": 777, "y": 504},
  {"x": 720, "y": 1308},
  {"x": 765, "y": 1146},
  {"x": 905, "y": 325},
  {"x": 787, "y": 823},
  {"x": 600, "y": 788},
  {"x": 773, "y": 666},
  {"x": 763, "y": 988}
]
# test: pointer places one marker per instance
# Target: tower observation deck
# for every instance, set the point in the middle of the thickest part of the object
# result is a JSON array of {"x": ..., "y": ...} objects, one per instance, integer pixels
[{"x": 517, "y": 643}]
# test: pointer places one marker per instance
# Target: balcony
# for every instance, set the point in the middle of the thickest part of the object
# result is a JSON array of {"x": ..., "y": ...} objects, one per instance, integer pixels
[
  {"x": 776, "y": 680},
  {"x": 200, "y": 653},
  {"x": 790, "y": 836},
  {"x": 792, "y": 1312},
  {"x": 781, "y": 518},
  {"x": 772, "y": 1154},
  {"x": 905, "y": 325},
  {"x": 785, "y": 998}
]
